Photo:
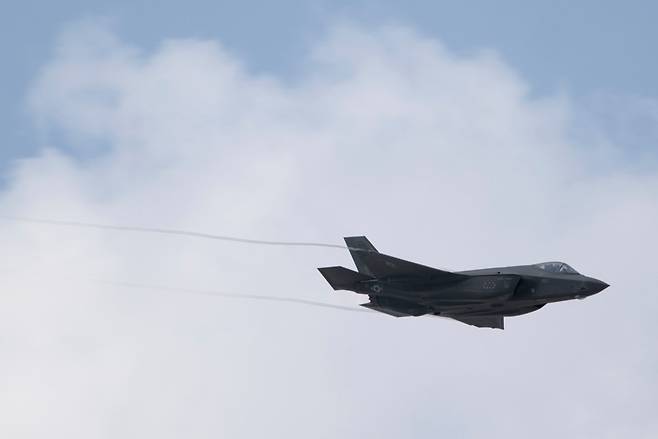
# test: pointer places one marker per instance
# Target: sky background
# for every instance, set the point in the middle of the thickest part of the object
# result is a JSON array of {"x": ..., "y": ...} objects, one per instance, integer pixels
[
  {"x": 594, "y": 50},
  {"x": 456, "y": 135}
]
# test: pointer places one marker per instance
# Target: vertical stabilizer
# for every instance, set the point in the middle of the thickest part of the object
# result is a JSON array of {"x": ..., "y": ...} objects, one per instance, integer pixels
[{"x": 359, "y": 247}]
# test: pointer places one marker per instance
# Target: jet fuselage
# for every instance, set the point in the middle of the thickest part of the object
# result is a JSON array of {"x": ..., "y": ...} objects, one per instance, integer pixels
[{"x": 479, "y": 297}]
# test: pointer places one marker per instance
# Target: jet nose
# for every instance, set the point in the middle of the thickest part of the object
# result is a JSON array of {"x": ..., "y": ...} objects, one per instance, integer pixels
[{"x": 596, "y": 286}]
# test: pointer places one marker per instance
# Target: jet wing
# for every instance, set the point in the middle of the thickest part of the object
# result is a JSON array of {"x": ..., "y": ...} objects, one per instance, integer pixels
[
  {"x": 493, "y": 321},
  {"x": 395, "y": 307},
  {"x": 386, "y": 310}
]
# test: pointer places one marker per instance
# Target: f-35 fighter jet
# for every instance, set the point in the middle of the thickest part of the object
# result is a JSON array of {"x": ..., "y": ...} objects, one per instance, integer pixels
[{"x": 478, "y": 297}]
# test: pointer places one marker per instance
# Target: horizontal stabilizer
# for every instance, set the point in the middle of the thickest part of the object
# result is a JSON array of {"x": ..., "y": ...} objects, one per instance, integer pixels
[
  {"x": 491, "y": 321},
  {"x": 341, "y": 278}
]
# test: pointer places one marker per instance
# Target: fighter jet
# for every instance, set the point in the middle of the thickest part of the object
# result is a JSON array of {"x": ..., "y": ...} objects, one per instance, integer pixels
[{"x": 480, "y": 298}]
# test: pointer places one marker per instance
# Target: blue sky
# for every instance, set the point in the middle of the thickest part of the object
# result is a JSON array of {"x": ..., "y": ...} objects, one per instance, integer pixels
[{"x": 587, "y": 48}]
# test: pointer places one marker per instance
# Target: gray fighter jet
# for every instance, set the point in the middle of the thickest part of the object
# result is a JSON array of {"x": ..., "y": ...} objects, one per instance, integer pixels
[{"x": 478, "y": 297}]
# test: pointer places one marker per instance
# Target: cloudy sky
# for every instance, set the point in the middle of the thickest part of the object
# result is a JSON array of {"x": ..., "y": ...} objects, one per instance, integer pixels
[{"x": 455, "y": 136}]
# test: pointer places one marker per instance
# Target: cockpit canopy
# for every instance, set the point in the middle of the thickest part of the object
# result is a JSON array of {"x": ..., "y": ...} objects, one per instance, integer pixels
[{"x": 556, "y": 267}]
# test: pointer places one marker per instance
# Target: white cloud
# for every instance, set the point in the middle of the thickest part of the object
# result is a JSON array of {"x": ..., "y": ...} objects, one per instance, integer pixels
[{"x": 439, "y": 158}]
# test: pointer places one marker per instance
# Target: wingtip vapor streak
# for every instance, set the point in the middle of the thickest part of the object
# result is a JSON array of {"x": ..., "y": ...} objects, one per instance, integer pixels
[{"x": 480, "y": 298}]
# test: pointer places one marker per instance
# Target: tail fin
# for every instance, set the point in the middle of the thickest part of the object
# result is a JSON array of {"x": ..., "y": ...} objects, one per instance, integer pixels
[
  {"x": 359, "y": 247},
  {"x": 341, "y": 278},
  {"x": 378, "y": 265}
]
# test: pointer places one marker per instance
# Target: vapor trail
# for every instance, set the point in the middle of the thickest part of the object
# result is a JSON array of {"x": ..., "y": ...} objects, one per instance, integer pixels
[
  {"x": 229, "y": 295},
  {"x": 62, "y": 223},
  {"x": 212, "y": 293},
  {"x": 172, "y": 232}
]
